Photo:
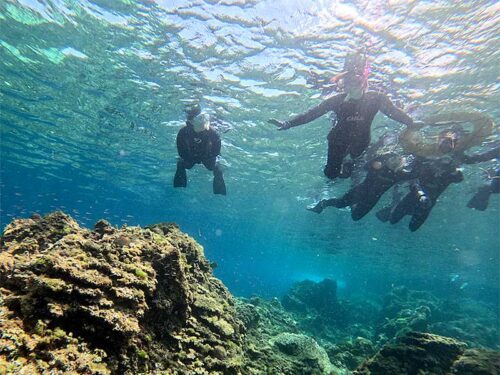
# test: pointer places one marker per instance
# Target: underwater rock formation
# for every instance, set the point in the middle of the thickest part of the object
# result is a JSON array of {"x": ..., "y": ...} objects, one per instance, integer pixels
[
  {"x": 469, "y": 321},
  {"x": 478, "y": 362},
  {"x": 309, "y": 295},
  {"x": 316, "y": 307},
  {"x": 120, "y": 301},
  {"x": 274, "y": 343},
  {"x": 144, "y": 300},
  {"x": 340, "y": 324},
  {"x": 304, "y": 350},
  {"x": 424, "y": 353},
  {"x": 133, "y": 300},
  {"x": 350, "y": 354}
]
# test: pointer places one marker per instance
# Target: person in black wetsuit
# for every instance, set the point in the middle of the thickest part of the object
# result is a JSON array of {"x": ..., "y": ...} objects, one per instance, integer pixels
[
  {"x": 433, "y": 177},
  {"x": 384, "y": 171},
  {"x": 355, "y": 110},
  {"x": 430, "y": 177},
  {"x": 198, "y": 143},
  {"x": 481, "y": 198}
]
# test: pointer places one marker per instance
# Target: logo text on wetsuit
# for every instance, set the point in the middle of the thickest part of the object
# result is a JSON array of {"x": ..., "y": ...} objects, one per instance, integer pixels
[{"x": 355, "y": 118}]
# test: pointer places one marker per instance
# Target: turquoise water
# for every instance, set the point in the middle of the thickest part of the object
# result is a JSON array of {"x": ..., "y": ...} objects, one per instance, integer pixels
[{"x": 93, "y": 92}]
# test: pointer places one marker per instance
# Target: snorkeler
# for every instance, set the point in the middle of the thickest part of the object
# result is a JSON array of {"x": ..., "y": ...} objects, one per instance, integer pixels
[
  {"x": 384, "y": 171},
  {"x": 198, "y": 143},
  {"x": 481, "y": 199},
  {"x": 417, "y": 141},
  {"x": 433, "y": 177},
  {"x": 430, "y": 177},
  {"x": 355, "y": 110}
]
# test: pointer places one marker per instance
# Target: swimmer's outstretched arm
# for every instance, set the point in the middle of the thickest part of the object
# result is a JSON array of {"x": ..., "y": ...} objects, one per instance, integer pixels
[
  {"x": 330, "y": 104},
  {"x": 393, "y": 112}
]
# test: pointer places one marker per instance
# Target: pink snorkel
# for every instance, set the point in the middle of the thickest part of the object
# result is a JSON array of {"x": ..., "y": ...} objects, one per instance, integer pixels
[
  {"x": 366, "y": 73},
  {"x": 352, "y": 67}
]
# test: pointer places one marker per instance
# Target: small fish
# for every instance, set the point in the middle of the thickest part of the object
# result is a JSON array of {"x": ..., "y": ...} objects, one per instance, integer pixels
[{"x": 463, "y": 286}]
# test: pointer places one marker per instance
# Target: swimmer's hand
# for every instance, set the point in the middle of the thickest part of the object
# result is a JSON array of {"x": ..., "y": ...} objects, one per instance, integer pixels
[{"x": 282, "y": 125}]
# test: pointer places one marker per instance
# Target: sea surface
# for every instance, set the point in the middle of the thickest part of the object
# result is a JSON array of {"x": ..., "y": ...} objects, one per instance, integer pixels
[{"x": 92, "y": 95}]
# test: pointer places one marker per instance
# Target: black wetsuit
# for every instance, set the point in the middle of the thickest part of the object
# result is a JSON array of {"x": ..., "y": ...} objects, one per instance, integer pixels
[
  {"x": 351, "y": 134},
  {"x": 198, "y": 148},
  {"x": 434, "y": 177},
  {"x": 481, "y": 198},
  {"x": 380, "y": 178}
]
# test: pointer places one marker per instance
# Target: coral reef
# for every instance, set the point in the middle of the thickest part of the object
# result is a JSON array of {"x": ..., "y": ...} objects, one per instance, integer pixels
[
  {"x": 144, "y": 300},
  {"x": 308, "y": 295},
  {"x": 111, "y": 301},
  {"x": 477, "y": 362},
  {"x": 134, "y": 300},
  {"x": 351, "y": 353},
  {"x": 316, "y": 307},
  {"x": 274, "y": 343},
  {"x": 351, "y": 331},
  {"x": 405, "y": 310},
  {"x": 424, "y": 353},
  {"x": 304, "y": 350}
]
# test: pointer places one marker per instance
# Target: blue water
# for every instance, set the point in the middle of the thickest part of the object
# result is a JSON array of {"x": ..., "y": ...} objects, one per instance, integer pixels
[{"x": 92, "y": 96}]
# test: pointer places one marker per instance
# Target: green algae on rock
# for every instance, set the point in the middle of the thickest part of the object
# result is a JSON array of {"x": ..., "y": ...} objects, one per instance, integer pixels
[
  {"x": 275, "y": 345},
  {"x": 478, "y": 362},
  {"x": 124, "y": 301},
  {"x": 425, "y": 353},
  {"x": 144, "y": 301},
  {"x": 304, "y": 349}
]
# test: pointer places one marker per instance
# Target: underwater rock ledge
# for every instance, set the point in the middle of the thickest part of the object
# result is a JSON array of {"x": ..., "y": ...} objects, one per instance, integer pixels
[
  {"x": 120, "y": 301},
  {"x": 144, "y": 300}
]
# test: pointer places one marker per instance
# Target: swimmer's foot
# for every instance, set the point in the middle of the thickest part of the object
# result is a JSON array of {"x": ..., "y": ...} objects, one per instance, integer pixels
[{"x": 318, "y": 207}]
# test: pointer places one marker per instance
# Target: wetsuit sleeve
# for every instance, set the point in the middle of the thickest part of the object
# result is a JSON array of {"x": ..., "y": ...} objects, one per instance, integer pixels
[
  {"x": 481, "y": 157},
  {"x": 182, "y": 145},
  {"x": 393, "y": 112},
  {"x": 330, "y": 104}
]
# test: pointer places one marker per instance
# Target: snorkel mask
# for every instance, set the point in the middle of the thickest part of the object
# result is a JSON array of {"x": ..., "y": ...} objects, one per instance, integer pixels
[
  {"x": 355, "y": 74},
  {"x": 447, "y": 141},
  {"x": 192, "y": 111},
  {"x": 201, "y": 122}
]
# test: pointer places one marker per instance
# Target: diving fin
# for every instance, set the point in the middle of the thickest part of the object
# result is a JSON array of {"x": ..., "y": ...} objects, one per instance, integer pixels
[
  {"x": 180, "y": 178},
  {"x": 384, "y": 214},
  {"x": 480, "y": 200},
  {"x": 219, "y": 184}
]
